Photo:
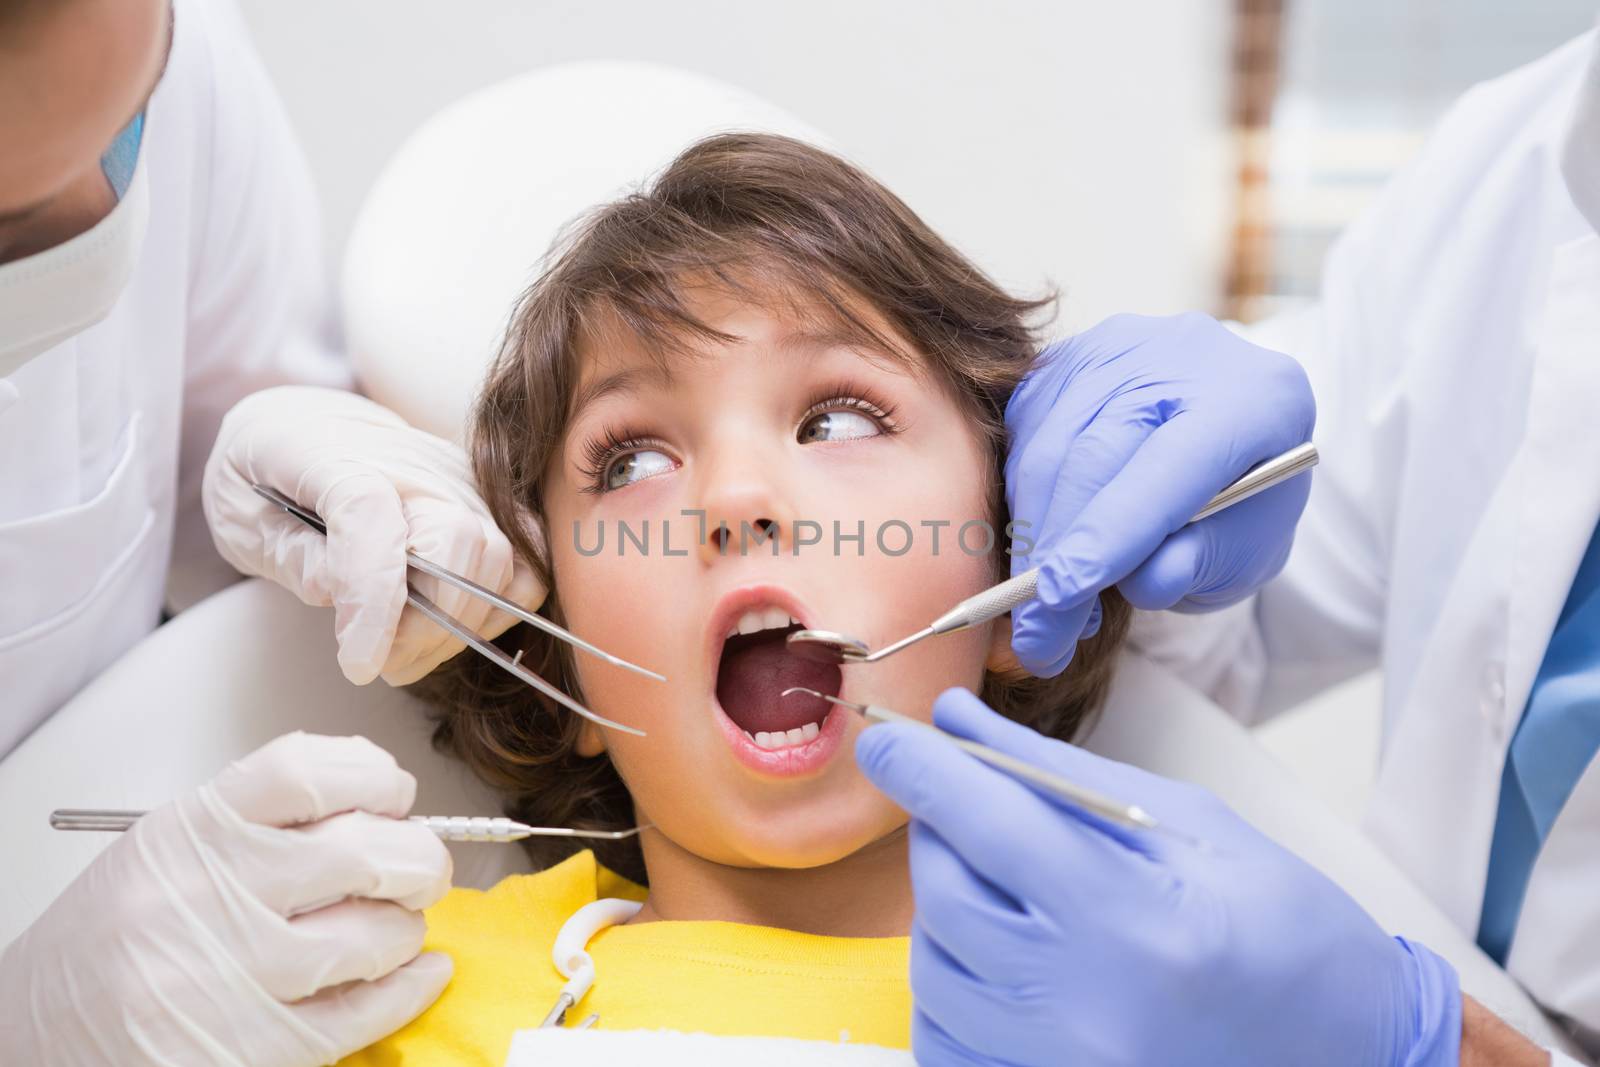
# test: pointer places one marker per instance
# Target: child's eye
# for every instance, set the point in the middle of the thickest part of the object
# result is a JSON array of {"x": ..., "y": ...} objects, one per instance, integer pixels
[
  {"x": 635, "y": 467},
  {"x": 843, "y": 418},
  {"x": 837, "y": 426},
  {"x": 617, "y": 461}
]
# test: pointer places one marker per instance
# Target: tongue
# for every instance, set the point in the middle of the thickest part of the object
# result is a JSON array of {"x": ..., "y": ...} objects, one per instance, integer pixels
[{"x": 754, "y": 673}]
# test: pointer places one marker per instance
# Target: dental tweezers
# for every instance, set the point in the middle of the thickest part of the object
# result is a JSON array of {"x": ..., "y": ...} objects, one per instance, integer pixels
[
  {"x": 510, "y": 664},
  {"x": 495, "y": 829}
]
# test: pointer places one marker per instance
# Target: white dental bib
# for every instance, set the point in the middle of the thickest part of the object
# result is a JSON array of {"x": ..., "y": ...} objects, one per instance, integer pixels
[{"x": 669, "y": 1048}]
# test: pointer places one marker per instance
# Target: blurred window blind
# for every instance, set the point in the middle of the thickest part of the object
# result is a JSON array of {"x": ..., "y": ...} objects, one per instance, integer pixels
[{"x": 1331, "y": 97}]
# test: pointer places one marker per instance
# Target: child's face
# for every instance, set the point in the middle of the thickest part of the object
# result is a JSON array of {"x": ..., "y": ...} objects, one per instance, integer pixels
[{"x": 775, "y": 429}]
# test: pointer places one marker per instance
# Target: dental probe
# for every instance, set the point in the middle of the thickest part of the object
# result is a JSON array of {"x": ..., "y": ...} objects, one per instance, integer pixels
[
  {"x": 1076, "y": 795},
  {"x": 831, "y": 646},
  {"x": 495, "y": 829}
]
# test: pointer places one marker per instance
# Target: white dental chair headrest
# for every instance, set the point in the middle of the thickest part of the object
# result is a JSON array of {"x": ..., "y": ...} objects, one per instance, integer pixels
[{"x": 457, "y": 223}]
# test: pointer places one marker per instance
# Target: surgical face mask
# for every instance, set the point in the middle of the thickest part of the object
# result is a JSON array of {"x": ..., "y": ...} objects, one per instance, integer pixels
[{"x": 62, "y": 291}]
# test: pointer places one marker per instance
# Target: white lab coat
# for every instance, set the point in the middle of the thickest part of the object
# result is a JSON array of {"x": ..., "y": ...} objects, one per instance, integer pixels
[
  {"x": 103, "y": 438},
  {"x": 1455, "y": 355}
]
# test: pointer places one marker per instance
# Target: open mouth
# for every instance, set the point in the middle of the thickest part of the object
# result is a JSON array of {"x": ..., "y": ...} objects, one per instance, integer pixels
[{"x": 756, "y": 667}]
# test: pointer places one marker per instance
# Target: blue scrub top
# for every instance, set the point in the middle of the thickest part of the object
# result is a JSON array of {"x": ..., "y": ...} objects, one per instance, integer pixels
[{"x": 1554, "y": 743}]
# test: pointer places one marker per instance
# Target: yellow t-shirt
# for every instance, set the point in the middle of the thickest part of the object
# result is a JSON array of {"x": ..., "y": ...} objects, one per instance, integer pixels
[{"x": 707, "y": 977}]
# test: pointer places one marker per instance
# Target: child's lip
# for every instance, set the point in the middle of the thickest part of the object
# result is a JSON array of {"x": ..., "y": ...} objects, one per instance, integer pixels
[{"x": 792, "y": 761}]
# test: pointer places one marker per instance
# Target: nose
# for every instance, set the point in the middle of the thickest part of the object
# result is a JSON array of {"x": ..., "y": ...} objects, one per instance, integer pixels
[
  {"x": 746, "y": 512},
  {"x": 729, "y": 538}
]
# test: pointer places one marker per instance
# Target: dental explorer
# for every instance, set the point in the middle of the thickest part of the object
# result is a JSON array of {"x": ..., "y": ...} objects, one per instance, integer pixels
[
  {"x": 1080, "y": 796},
  {"x": 831, "y": 646},
  {"x": 492, "y": 829}
]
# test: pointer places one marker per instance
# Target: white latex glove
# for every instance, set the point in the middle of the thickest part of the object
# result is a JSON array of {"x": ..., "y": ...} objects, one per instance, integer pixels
[
  {"x": 267, "y": 918},
  {"x": 382, "y": 487}
]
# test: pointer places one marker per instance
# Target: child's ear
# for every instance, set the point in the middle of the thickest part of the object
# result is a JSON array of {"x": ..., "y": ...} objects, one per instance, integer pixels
[
  {"x": 1001, "y": 660},
  {"x": 591, "y": 740}
]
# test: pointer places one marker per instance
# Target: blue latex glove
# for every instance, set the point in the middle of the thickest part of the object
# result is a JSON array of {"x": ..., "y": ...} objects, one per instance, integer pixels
[
  {"x": 1118, "y": 438},
  {"x": 1045, "y": 936}
]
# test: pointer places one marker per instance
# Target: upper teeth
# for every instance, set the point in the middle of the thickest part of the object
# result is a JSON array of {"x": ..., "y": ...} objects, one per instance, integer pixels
[{"x": 761, "y": 619}]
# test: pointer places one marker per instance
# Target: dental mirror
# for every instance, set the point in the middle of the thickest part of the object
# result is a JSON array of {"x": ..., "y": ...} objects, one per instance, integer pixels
[
  {"x": 827, "y": 646},
  {"x": 830, "y": 646}
]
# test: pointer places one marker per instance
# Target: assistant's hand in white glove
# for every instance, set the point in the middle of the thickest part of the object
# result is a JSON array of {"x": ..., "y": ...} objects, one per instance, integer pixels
[
  {"x": 271, "y": 918},
  {"x": 382, "y": 486}
]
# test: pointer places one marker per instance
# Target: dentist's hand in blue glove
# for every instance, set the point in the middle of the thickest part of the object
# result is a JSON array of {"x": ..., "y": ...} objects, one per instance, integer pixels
[
  {"x": 1118, "y": 438},
  {"x": 1042, "y": 937}
]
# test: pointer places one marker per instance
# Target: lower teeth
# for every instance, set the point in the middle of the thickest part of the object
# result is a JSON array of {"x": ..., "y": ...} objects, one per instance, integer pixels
[{"x": 785, "y": 738}]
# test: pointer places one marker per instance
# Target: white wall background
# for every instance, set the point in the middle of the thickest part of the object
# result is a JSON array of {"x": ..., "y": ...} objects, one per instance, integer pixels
[{"x": 1070, "y": 140}]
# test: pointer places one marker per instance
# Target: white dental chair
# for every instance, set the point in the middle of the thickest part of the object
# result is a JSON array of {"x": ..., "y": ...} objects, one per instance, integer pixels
[{"x": 449, "y": 236}]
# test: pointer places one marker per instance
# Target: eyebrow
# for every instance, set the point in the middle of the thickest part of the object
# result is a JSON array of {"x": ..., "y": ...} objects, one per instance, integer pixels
[
  {"x": 623, "y": 381},
  {"x": 814, "y": 337},
  {"x": 803, "y": 339},
  {"x": 858, "y": 341}
]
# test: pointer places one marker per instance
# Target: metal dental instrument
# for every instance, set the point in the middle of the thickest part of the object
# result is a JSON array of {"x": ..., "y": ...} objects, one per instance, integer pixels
[
  {"x": 512, "y": 664},
  {"x": 493, "y": 829},
  {"x": 831, "y": 646},
  {"x": 1079, "y": 796}
]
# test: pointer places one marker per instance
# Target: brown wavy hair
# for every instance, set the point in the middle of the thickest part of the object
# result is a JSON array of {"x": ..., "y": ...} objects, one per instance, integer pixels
[{"x": 775, "y": 221}]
